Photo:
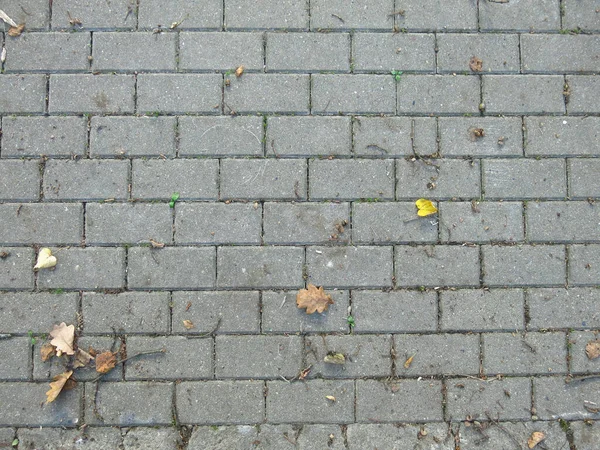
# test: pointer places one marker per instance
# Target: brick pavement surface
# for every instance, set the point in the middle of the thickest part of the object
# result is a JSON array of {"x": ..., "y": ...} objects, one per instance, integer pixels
[{"x": 466, "y": 329}]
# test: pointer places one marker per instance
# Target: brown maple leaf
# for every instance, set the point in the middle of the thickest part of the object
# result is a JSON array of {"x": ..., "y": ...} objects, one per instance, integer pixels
[
  {"x": 47, "y": 351},
  {"x": 592, "y": 349},
  {"x": 105, "y": 362},
  {"x": 476, "y": 64},
  {"x": 313, "y": 299},
  {"x": 57, "y": 385},
  {"x": 63, "y": 338}
]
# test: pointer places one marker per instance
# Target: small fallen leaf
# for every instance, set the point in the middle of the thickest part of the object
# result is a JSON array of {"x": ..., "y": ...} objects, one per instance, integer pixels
[
  {"x": 476, "y": 133},
  {"x": 409, "y": 361},
  {"x": 156, "y": 244},
  {"x": 92, "y": 351},
  {"x": 47, "y": 351},
  {"x": 331, "y": 398},
  {"x": 535, "y": 438},
  {"x": 239, "y": 71},
  {"x": 4, "y": 255},
  {"x": 303, "y": 374},
  {"x": 82, "y": 359},
  {"x": 45, "y": 259},
  {"x": 592, "y": 349},
  {"x": 7, "y": 19},
  {"x": 476, "y": 64},
  {"x": 188, "y": 324},
  {"x": 425, "y": 207},
  {"x": 16, "y": 31},
  {"x": 173, "y": 200},
  {"x": 63, "y": 338},
  {"x": 105, "y": 362},
  {"x": 335, "y": 358},
  {"x": 313, "y": 299},
  {"x": 57, "y": 385}
]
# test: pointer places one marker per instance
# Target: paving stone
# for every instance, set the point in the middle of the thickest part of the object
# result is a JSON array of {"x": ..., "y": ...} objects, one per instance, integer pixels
[
  {"x": 127, "y": 312},
  {"x": 382, "y": 53},
  {"x": 356, "y": 14},
  {"x": 308, "y": 136},
  {"x": 15, "y": 358},
  {"x": 506, "y": 399},
  {"x": 527, "y": 94},
  {"x": 358, "y": 94},
  {"x": 14, "y": 267},
  {"x": 505, "y": 435},
  {"x": 132, "y": 136},
  {"x": 585, "y": 434},
  {"x": 193, "y": 179},
  {"x": 502, "y": 136},
  {"x": 389, "y": 222},
  {"x": 439, "y": 265},
  {"x": 220, "y": 51},
  {"x": 351, "y": 179},
  {"x": 85, "y": 268},
  {"x": 126, "y": 404},
  {"x": 432, "y": 436},
  {"x": 217, "y": 223},
  {"x": 118, "y": 15},
  {"x": 554, "y": 398},
  {"x": 189, "y": 14},
  {"x": 35, "y": 136},
  {"x": 526, "y": 179},
  {"x": 128, "y": 52},
  {"x": 481, "y": 222},
  {"x": 258, "y": 357},
  {"x": 499, "y": 53},
  {"x": 145, "y": 222},
  {"x": 579, "y": 362},
  {"x": 349, "y": 266},
  {"x": 151, "y": 438},
  {"x": 582, "y": 89},
  {"x": 445, "y": 94},
  {"x": 563, "y": 308},
  {"x": 260, "y": 267},
  {"x": 223, "y": 437},
  {"x": 309, "y": 401},
  {"x": 562, "y": 136},
  {"x": 268, "y": 93},
  {"x": 21, "y": 406},
  {"x": 581, "y": 14},
  {"x": 582, "y": 176},
  {"x": 519, "y": 16},
  {"x": 7, "y": 435},
  {"x": 438, "y": 15},
  {"x": 85, "y": 179},
  {"x": 288, "y": 15},
  {"x": 221, "y": 136},
  {"x": 321, "y": 436},
  {"x": 530, "y": 353},
  {"x": 482, "y": 310},
  {"x": 398, "y": 401},
  {"x": 86, "y": 93},
  {"x": 551, "y": 53},
  {"x": 266, "y": 179},
  {"x": 584, "y": 265},
  {"x": 391, "y": 136},
  {"x": 234, "y": 312},
  {"x": 21, "y": 312},
  {"x": 366, "y": 356},
  {"x": 305, "y": 223},
  {"x": 178, "y": 93},
  {"x": 394, "y": 312},
  {"x": 438, "y": 179},
  {"x": 171, "y": 268},
  {"x": 220, "y": 402},
  {"x": 276, "y": 436},
  {"x": 281, "y": 315},
  {"x": 562, "y": 221},
  {"x": 437, "y": 354},
  {"x": 35, "y": 13},
  {"x": 19, "y": 181},
  {"x": 58, "y": 439},
  {"x": 45, "y": 52},
  {"x": 59, "y": 223},
  {"x": 22, "y": 94},
  {"x": 183, "y": 358},
  {"x": 524, "y": 265},
  {"x": 308, "y": 52}
]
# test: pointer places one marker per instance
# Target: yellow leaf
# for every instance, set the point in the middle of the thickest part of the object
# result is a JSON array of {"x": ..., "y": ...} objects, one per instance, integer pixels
[
  {"x": 335, "y": 358},
  {"x": 408, "y": 362},
  {"x": 45, "y": 259},
  {"x": 535, "y": 438},
  {"x": 63, "y": 336},
  {"x": 57, "y": 385},
  {"x": 425, "y": 207},
  {"x": 331, "y": 398}
]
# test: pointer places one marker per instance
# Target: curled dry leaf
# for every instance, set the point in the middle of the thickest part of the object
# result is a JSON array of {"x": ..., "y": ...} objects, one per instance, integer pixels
[
  {"x": 408, "y": 362},
  {"x": 82, "y": 358},
  {"x": 16, "y": 31},
  {"x": 592, "y": 349},
  {"x": 303, "y": 374},
  {"x": 239, "y": 71},
  {"x": 313, "y": 299},
  {"x": 47, "y": 351},
  {"x": 188, "y": 324},
  {"x": 535, "y": 438},
  {"x": 476, "y": 64},
  {"x": 45, "y": 259},
  {"x": 156, "y": 244},
  {"x": 331, "y": 398},
  {"x": 335, "y": 358},
  {"x": 105, "y": 362},
  {"x": 63, "y": 336},
  {"x": 57, "y": 385}
]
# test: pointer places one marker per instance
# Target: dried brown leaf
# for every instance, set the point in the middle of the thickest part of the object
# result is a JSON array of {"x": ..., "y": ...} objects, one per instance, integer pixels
[
  {"x": 156, "y": 244},
  {"x": 47, "y": 351},
  {"x": 304, "y": 373},
  {"x": 92, "y": 351},
  {"x": 313, "y": 299},
  {"x": 188, "y": 324},
  {"x": 16, "y": 31},
  {"x": 535, "y": 438},
  {"x": 476, "y": 64},
  {"x": 408, "y": 362},
  {"x": 592, "y": 349},
  {"x": 476, "y": 133},
  {"x": 105, "y": 362},
  {"x": 57, "y": 385},
  {"x": 82, "y": 358},
  {"x": 63, "y": 338},
  {"x": 239, "y": 71}
]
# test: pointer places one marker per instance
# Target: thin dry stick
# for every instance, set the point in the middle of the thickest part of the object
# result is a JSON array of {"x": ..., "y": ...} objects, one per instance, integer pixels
[
  {"x": 149, "y": 352},
  {"x": 210, "y": 333}
]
